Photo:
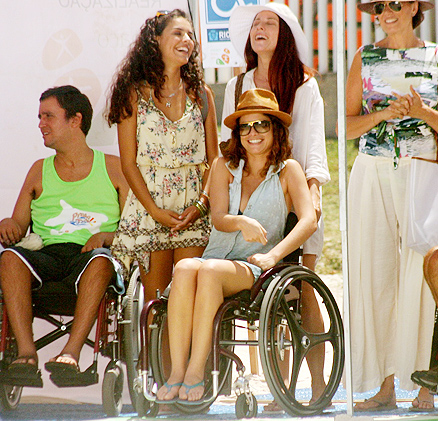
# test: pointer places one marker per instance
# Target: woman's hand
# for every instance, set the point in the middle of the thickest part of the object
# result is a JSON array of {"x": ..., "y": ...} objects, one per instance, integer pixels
[
  {"x": 187, "y": 218},
  {"x": 263, "y": 261},
  {"x": 253, "y": 231},
  {"x": 397, "y": 108},
  {"x": 166, "y": 217},
  {"x": 416, "y": 105}
]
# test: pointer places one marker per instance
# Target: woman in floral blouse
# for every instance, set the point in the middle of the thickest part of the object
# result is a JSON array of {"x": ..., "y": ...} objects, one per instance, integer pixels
[{"x": 167, "y": 145}]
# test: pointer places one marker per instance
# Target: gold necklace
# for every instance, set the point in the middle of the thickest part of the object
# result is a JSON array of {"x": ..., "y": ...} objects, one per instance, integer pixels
[{"x": 168, "y": 102}]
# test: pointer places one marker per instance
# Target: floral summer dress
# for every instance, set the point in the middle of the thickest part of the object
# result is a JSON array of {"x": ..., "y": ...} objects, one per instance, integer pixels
[{"x": 171, "y": 157}]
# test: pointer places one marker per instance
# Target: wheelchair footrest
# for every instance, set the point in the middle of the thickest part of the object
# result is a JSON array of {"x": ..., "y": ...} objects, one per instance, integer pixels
[
  {"x": 85, "y": 378},
  {"x": 33, "y": 380}
]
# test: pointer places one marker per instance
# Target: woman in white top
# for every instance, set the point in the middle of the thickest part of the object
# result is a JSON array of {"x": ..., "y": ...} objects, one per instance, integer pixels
[{"x": 275, "y": 47}]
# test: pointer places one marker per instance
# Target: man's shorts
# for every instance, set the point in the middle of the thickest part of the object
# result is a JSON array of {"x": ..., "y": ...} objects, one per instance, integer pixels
[{"x": 63, "y": 263}]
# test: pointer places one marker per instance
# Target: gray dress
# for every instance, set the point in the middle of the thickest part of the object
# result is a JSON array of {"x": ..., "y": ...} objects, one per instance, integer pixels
[{"x": 267, "y": 205}]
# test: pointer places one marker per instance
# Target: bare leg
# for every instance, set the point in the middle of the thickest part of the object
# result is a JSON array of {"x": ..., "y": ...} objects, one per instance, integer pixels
[
  {"x": 180, "y": 318},
  {"x": 424, "y": 400},
  {"x": 159, "y": 275},
  {"x": 431, "y": 271},
  {"x": 92, "y": 286},
  {"x": 16, "y": 282},
  {"x": 386, "y": 395},
  {"x": 313, "y": 322},
  {"x": 216, "y": 280}
]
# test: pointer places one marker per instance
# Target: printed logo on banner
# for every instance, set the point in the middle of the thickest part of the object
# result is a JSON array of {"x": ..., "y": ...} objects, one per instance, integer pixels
[
  {"x": 218, "y": 35},
  {"x": 219, "y": 11}
]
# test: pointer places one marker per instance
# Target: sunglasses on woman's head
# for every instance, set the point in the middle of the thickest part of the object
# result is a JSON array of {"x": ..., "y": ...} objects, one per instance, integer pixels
[
  {"x": 395, "y": 6},
  {"x": 162, "y": 13},
  {"x": 260, "y": 126}
]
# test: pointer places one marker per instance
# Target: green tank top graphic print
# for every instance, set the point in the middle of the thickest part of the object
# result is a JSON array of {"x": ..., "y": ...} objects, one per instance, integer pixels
[{"x": 71, "y": 212}]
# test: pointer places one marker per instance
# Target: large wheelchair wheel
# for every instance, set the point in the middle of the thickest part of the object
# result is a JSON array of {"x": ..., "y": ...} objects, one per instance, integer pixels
[
  {"x": 131, "y": 331},
  {"x": 160, "y": 372},
  {"x": 282, "y": 333}
]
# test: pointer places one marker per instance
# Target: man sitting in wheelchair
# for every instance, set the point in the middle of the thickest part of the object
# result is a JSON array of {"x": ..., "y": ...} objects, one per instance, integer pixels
[
  {"x": 71, "y": 200},
  {"x": 254, "y": 186}
]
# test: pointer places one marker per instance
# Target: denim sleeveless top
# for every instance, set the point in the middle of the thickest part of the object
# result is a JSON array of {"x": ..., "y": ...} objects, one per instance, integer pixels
[{"x": 267, "y": 205}]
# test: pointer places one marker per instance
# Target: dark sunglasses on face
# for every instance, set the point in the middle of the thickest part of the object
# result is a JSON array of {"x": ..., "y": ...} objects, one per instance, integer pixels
[
  {"x": 395, "y": 6},
  {"x": 260, "y": 126}
]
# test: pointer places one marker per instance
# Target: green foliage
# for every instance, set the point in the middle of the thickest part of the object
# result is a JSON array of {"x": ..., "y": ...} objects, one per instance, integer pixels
[{"x": 331, "y": 259}]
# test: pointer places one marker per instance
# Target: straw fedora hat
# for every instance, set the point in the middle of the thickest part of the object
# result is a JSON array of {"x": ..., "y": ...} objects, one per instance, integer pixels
[
  {"x": 257, "y": 101},
  {"x": 369, "y": 8},
  {"x": 243, "y": 16}
]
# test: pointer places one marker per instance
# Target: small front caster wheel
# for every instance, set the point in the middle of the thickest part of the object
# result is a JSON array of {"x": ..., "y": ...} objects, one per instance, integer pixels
[{"x": 245, "y": 409}]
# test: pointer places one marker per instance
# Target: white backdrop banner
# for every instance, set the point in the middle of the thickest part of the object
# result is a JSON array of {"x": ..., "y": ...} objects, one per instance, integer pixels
[
  {"x": 217, "y": 50},
  {"x": 47, "y": 43}
]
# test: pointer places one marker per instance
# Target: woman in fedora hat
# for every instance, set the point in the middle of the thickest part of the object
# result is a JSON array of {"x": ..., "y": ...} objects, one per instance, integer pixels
[
  {"x": 255, "y": 169},
  {"x": 275, "y": 48},
  {"x": 391, "y": 107}
]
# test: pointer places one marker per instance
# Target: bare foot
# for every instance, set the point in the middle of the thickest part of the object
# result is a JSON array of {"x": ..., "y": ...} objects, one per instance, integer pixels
[
  {"x": 272, "y": 408},
  {"x": 169, "y": 391},
  {"x": 192, "y": 389},
  {"x": 424, "y": 400},
  {"x": 379, "y": 402}
]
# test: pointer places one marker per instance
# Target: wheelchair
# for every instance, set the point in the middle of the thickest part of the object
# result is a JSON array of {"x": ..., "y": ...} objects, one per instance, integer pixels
[
  {"x": 273, "y": 309},
  {"x": 52, "y": 302}
]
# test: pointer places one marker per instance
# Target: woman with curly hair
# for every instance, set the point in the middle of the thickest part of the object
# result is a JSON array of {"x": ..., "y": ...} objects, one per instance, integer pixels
[
  {"x": 247, "y": 236},
  {"x": 166, "y": 148}
]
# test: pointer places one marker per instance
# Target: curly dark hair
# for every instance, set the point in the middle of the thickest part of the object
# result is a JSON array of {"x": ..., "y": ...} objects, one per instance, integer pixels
[
  {"x": 286, "y": 71},
  {"x": 233, "y": 151},
  {"x": 144, "y": 63}
]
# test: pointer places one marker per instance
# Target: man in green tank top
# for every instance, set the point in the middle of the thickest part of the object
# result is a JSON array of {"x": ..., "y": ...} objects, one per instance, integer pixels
[{"x": 72, "y": 200}]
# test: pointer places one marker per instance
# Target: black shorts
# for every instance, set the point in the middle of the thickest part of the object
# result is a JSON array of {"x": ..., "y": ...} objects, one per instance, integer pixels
[{"x": 61, "y": 263}]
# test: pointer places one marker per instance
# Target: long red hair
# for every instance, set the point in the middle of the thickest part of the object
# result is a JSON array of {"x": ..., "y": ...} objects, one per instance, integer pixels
[{"x": 286, "y": 71}]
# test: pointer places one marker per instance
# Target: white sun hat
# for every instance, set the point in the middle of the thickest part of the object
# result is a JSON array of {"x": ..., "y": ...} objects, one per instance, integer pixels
[{"x": 243, "y": 16}]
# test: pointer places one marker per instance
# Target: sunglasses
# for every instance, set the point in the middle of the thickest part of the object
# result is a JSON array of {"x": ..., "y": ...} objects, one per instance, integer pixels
[
  {"x": 395, "y": 6},
  {"x": 162, "y": 13},
  {"x": 260, "y": 126}
]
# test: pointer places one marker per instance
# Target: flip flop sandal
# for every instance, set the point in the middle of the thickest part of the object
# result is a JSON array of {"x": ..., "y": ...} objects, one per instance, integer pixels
[
  {"x": 381, "y": 406},
  {"x": 23, "y": 373},
  {"x": 169, "y": 388},
  {"x": 418, "y": 409},
  {"x": 188, "y": 388},
  {"x": 62, "y": 368},
  {"x": 25, "y": 368}
]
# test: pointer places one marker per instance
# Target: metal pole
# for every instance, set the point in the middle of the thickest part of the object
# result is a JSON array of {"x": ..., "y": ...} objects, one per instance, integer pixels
[{"x": 340, "y": 60}]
